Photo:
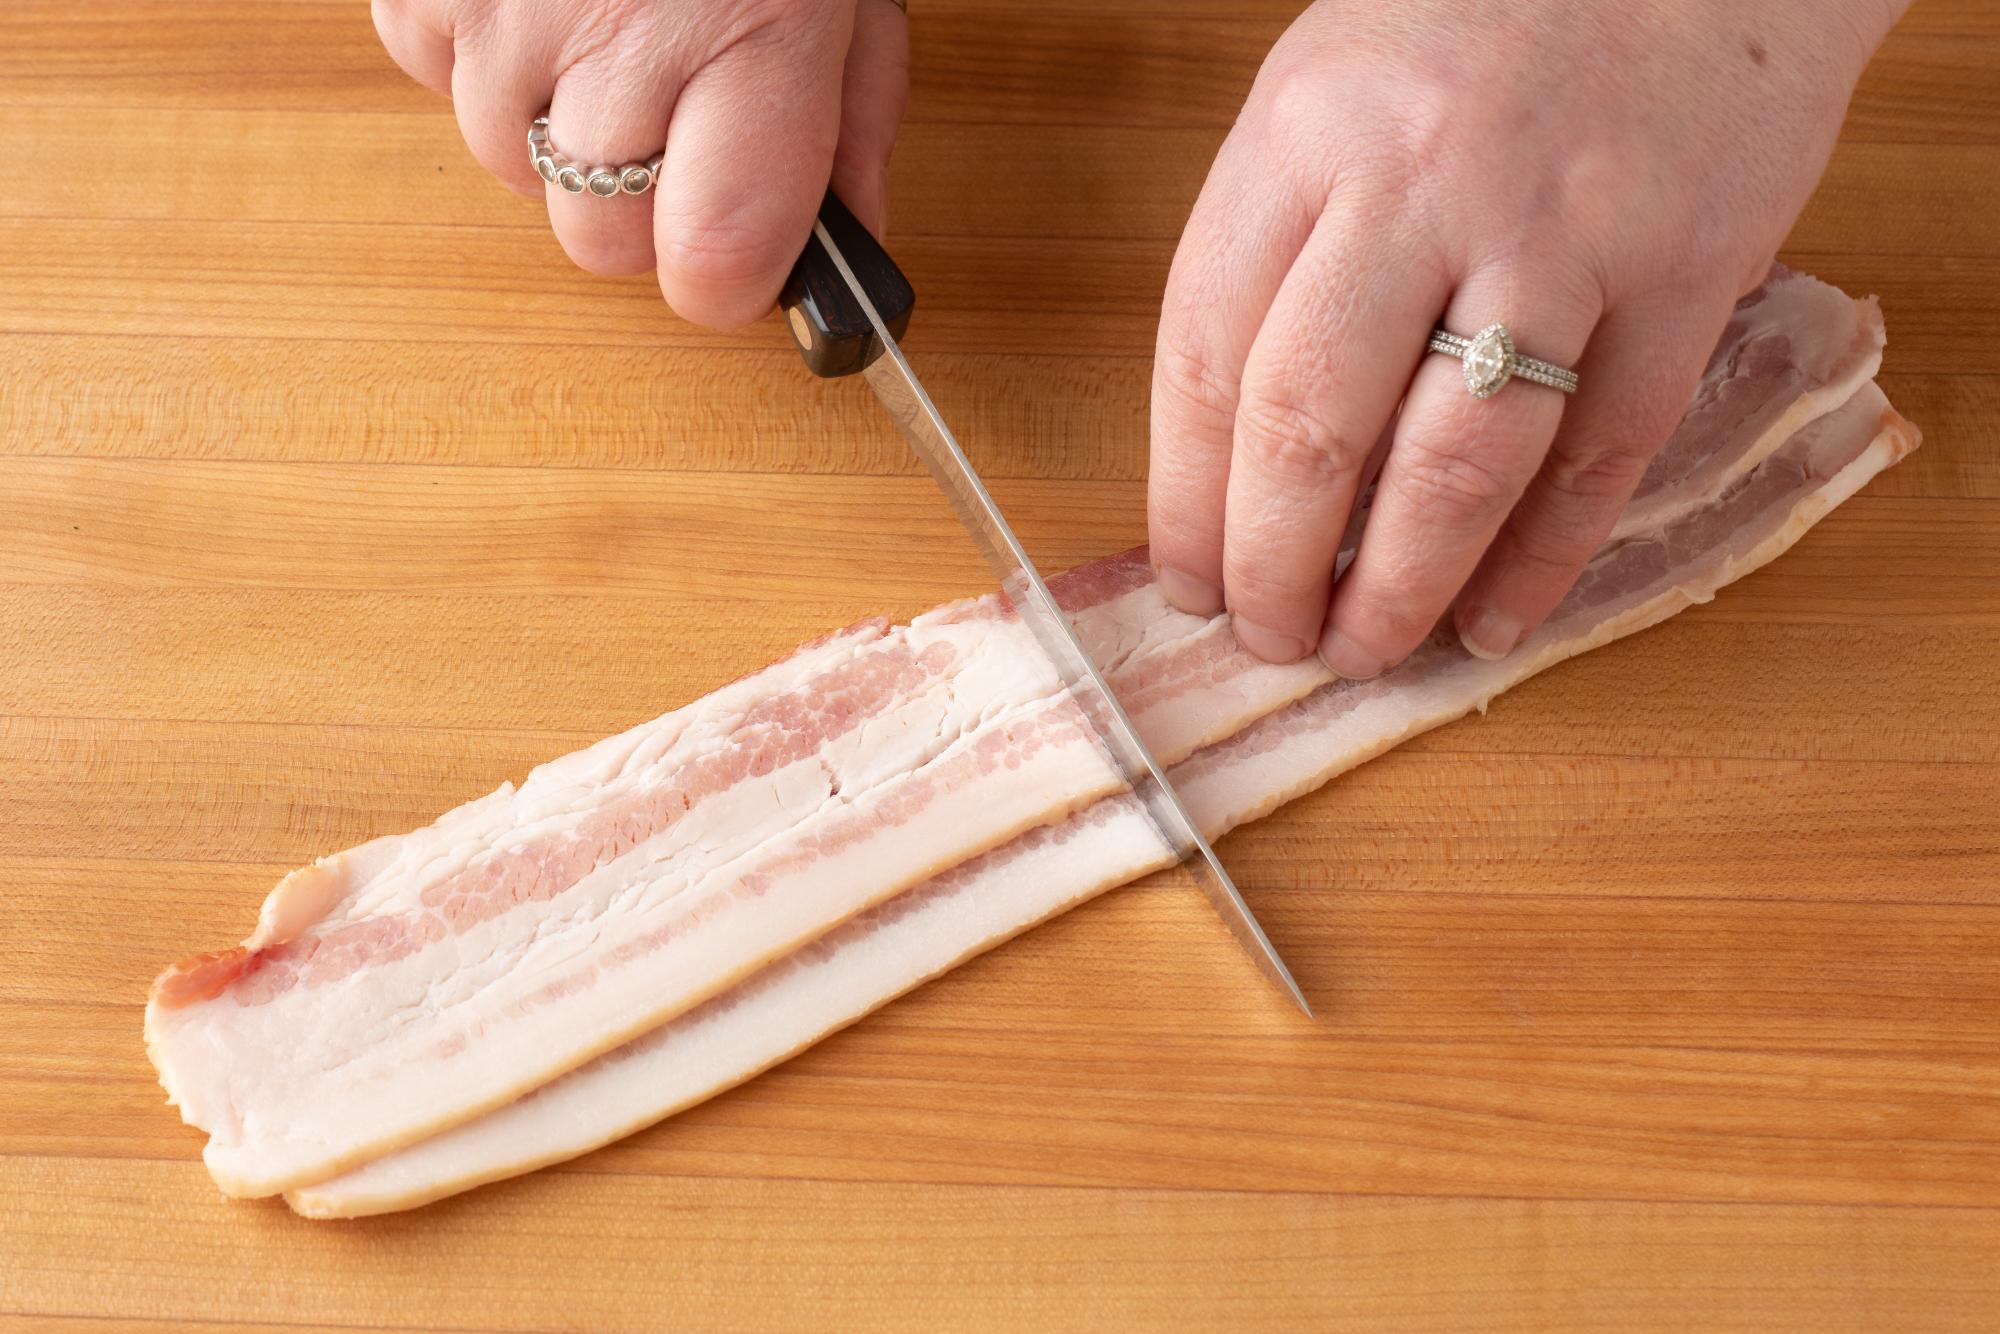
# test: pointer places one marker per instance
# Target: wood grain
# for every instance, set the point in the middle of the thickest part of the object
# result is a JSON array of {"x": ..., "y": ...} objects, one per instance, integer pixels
[
  {"x": 808, "y": 1253},
  {"x": 1662, "y": 997}
]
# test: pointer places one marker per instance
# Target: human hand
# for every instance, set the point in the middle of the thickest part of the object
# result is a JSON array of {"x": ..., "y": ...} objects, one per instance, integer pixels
[
  {"x": 766, "y": 98},
  {"x": 1606, "y": 179}
]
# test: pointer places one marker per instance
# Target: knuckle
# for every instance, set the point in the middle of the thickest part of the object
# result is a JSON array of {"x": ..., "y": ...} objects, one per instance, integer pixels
[
  {"x": 1386, "y": 626},
  {"x": 724, "y": 256},
  {"x": 1572, "y": 505},
  {"x": 780, "y": 13},
  {"x": 475, "y": 25},
  {"x": 1548, "y": 542},
  {"x": 1189, "y": 388},
  {"x": 1182, "y": 515},
  {"x": 1418, "y": 142},
  {"x": 611, "y": 256},
  {"x": 775, "y": 24},
  {"x": 1183, "y": 536},
  {"x": 1267, "y": 589},
  {"x": 1290, "y": 100},
  {"x": 1596, "y": 476},
  {"x": 1292, "y": 443},
  {"x": 1453, "y": 485},
  {"x": 598, "y": 31}
]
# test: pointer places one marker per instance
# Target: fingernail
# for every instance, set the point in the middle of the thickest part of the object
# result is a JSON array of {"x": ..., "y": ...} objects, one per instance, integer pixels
[
  {"x": 1489, "y": 634},
  {"x": 1268, "y": 644},
  {"x": 1347, "y": 659},
  {"x": 1196, "y": 597}
]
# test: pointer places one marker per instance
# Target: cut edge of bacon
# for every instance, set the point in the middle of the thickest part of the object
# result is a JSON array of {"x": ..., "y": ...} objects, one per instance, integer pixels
[
  {"x": 303, "y": 897},
  {"x": 382, "y": 1186}
]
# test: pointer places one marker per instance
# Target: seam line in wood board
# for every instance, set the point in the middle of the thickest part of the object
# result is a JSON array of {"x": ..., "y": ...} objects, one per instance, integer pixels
[
  {"x": 533, "y": 232},
  {"x": 179, "y": 462},
  {"x": 731, "y": 349},
  {"x": 1220, "y": 124},
  {"x": 1486, "y": 1120},
  {"x": 884, "y": 1020},
  {"x": 637, "y": 286},
  {"x": 176, "y": 462},
  {"x": 151, "y": 1318},
  {"x": 530, "y": 230},
  {"x": 778, "y": 349},
  {"x": 690, "y": 342},
  {"x": 573, "y": 1169}
]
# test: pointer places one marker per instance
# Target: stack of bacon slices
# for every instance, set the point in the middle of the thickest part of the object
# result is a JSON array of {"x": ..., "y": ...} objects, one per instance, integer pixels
[{"x": 664, "y": 914}]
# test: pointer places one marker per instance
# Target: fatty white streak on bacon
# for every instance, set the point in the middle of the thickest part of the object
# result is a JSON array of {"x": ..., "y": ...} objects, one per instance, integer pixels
[
  {"x": 395, "y": 991},
  {"x": 903, "y": 942}
]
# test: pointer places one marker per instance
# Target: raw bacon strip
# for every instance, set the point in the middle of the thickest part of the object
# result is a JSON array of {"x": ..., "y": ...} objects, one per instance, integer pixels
[
  {"x": 390, "y": 993},
  {"x": 1794, "y": 349},
  {"x": 903, "y": 942},
  {"x": 639, "y": 828}
]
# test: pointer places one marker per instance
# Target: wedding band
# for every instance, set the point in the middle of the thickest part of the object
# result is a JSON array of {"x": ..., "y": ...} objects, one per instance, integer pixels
[
  {"x": 1489, "y": 360},
  {"x": 634, "y": 178}
]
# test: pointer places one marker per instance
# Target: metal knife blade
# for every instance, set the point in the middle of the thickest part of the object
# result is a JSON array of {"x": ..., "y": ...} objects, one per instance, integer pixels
[{"x": 910, "y": 407}]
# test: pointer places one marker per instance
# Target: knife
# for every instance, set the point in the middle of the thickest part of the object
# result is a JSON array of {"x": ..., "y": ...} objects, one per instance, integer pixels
[{"x": 847, "y": 304}]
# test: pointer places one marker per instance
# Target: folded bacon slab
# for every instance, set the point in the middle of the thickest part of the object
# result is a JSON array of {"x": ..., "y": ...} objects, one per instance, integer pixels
[
  {"x": 929, "y": 929},
  {"x": 1794, "y": 349},
  {"x": 425, "y": 982}
]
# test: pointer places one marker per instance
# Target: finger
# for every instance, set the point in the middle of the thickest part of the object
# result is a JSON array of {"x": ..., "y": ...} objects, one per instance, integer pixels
[
  {"x": 1357, "y": 518},
  {"x": 501, "y": 81},
  {"x": 609, "y": 110},
  {"x": 749, "y": 155},
  {"x": 874, "y": 90},
  {"x": 1335, "y": 353},
  {"x": 1247, "y": 228},
  {"x": 1644, "y": 362},
  {"x": 1455, "y": 469},
  {"x": 423, "y": 52}
]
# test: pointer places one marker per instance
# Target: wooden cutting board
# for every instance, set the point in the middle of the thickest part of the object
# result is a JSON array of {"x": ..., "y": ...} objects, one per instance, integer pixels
[{"x": 1668, "y": 994}]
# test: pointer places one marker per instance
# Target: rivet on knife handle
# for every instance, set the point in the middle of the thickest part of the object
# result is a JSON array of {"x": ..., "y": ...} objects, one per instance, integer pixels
[{"x": 832, "y": 331}]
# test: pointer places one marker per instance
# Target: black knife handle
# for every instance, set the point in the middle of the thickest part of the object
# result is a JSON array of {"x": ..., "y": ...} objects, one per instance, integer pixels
[{"x": 827, "y": 323}]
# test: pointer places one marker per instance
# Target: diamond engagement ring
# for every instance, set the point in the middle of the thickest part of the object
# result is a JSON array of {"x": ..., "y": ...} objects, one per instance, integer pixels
[
  {"x": 1489, "y": 361},
  {"x": 634, "y": 178}
]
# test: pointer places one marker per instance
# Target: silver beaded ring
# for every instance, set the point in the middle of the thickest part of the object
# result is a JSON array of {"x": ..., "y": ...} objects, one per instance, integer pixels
[{"x": 634, "y": 178}]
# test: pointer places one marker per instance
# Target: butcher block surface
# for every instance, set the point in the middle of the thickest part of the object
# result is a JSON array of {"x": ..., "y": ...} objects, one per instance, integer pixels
[{"x": 1666, "y": 995}]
